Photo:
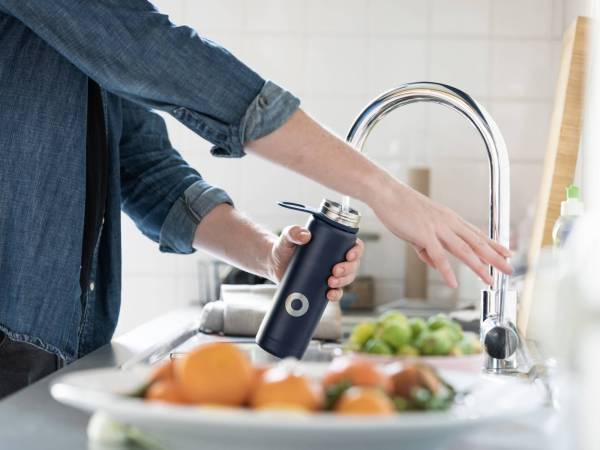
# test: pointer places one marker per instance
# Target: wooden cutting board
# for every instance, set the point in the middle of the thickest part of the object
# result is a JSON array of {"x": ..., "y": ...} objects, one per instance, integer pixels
[{"x": 566, "y": 128}]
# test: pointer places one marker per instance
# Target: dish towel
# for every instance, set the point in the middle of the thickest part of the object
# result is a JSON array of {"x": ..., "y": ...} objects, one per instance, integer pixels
[{"x": 242, "y": 308}]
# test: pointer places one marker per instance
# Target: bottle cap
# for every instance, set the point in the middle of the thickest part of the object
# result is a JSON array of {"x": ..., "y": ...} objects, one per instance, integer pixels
[
  {"x": 572, "y": 206},
  {"x": 573, "y": 192},
  {"x": 334, "y": 211}
]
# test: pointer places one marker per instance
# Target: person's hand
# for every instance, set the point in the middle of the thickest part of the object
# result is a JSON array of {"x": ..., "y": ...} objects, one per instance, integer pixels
[
  {"x": 342, "y": 275},
  {"x": 434, "y": 231}
]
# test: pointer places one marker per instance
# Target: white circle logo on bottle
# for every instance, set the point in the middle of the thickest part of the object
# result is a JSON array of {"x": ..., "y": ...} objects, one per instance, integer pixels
[{"x": 291, "y": 304}]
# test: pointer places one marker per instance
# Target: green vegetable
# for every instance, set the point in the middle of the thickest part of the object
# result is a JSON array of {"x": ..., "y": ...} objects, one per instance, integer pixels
[
  {"x": 394, "y": 333},
  {"x": 438, "y": 321},
  {"x": 417, "y": 326},
  {"x": 422, "y": 398},
  {"x": 407, "y": 350},
  {"x": 426, "y": 390},
  {"x": 456, "y": 331},
  {"x": 334, "y": 392},
  {"x": 401, "y": 404},
  {"x": 469, "y": 345},
  {"x": 456, "y": 351},
  {"x": 392, "y": 316},
  {"x": 441, "y": 321},
  {"x": 362, "y": 333},
  {"x": 377, "y": 346},
  {"x": 438, "y": 342}
]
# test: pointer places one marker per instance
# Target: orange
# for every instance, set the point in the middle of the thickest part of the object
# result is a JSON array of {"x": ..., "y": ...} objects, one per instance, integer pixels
[
  {"x": 217, "y": 373},
  {"x": 364, "y": 400},
  {"x": 414, "y": 376},
  {"x": 162, "y": 372},
  {"x": 257, "y": 377},
  {"x": 165, "y": 391},
  {"x": 358, "y": 372},
  {"x": 280, "y": 388}
]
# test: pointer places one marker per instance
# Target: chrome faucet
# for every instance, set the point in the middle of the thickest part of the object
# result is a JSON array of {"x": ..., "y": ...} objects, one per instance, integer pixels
[{"x": 499, "y": 335}]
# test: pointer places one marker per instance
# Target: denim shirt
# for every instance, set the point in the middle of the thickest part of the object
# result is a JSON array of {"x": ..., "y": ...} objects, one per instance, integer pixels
[{"x": 49, "y": 50}]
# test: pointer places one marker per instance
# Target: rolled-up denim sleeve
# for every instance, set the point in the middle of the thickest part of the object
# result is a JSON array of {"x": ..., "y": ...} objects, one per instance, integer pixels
[
  {"x": 163, "y": 195},
  {"x": 134, "y": 51},
  {"x": 179, "y": 227},
  {"x": 268, "y": 111}
]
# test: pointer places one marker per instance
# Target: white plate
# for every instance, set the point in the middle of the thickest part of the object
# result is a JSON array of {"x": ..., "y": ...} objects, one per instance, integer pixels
[{"x": 492, "y": 398}]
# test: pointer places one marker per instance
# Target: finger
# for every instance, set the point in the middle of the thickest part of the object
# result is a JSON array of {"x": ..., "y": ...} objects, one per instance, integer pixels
[
  {"x": 423, "y": 256},
  {"x": 335, "y": 282},
  {"x": 334, "y": 295},
  {"x": 440, "y": 261},
  {"x": 483, "y": 249},
  {"x": 294, "y": 235},
  {"x": 345, "y": 268},
  {"x": 495, "y": 245},
  {"x": 357, "y": 251},
  {"x": 464, "y": 252}
]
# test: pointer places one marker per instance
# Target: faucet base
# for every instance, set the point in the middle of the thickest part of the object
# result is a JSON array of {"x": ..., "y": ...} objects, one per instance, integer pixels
[{"x": 500, "y": 366}]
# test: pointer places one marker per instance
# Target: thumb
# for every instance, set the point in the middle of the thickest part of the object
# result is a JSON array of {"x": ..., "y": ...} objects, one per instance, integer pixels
[{"x": 295, "y": 235}]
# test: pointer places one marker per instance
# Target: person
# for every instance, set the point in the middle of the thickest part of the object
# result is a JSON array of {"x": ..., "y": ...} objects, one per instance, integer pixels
[{"x": 80, "y": 84}]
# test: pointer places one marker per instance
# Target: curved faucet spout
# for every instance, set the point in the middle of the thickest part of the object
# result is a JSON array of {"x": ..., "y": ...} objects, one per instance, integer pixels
[{"x": 499, "y": 198}]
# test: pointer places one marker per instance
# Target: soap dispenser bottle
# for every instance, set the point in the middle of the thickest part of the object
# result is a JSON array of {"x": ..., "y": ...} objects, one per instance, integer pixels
[{"x": 570, "y": 210}]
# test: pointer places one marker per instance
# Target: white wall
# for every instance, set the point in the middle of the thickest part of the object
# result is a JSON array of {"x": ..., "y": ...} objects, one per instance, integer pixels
[{"x": 337, "y": 55}]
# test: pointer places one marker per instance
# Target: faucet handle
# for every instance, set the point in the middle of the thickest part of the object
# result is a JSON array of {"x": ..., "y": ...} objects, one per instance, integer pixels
[{"x": 500, "y": 339}]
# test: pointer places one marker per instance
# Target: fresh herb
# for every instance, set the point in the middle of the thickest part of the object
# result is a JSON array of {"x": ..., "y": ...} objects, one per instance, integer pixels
[{"x": 334, "y": 392}]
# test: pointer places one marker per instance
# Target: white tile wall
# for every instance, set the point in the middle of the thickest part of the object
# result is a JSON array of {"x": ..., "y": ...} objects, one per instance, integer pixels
[
  {"x": 523, "y": 68},
  {"x": 398, "y": 17},
  {"x": 336, "y": 65},
  {"x": 461, "y": 17},
  {"x": 524, "y": 126},
  {"x": 287, "y": 16},
  {"x": 336, "y": 55},
  {"x": 522, "y": 18},
  {"x": 283, "y": 60},
  {"x": 462, "y": 63},
  {"x": 392, "y": 61},
  {"x": 337, "y": 16}
]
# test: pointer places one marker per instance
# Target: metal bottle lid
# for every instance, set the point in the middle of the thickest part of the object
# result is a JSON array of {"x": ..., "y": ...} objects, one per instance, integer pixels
[{"x": 334, "y": 211}]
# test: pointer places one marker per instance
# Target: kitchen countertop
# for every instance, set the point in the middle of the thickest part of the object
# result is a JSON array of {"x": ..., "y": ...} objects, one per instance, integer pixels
[{"x": 32, "y": 420}]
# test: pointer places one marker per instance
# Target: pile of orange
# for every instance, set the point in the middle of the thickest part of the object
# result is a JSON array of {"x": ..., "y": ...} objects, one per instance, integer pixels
[{"x": 220, "y": 374}]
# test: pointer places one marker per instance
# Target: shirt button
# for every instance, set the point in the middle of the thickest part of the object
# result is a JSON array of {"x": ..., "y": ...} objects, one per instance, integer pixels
[{"x": 92, "y": 286}]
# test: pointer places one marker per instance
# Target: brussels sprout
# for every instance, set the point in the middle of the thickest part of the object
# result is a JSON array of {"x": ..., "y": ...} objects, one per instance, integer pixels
[
  {"x": 407, "y": 350},
  {"x": 441, "y": 321},
  {"x": 362, "y": 333},
  {"x": 469, "y": 345},
  {"x": 377, "y": 346},
  {"x": 394, "y": 333},
  {"x": 438, "y": 321},
  {"x": 438, "y": 342},
  {"x": 417, "y": 326},
  {"x": 456, "y": 351},
  {"x": 457, "y": 332},
  {"x": 392, "y": 316}
]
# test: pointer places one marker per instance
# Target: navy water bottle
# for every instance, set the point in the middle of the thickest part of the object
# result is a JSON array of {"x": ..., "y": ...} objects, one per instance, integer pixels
[{"x": 301, "y": 297}]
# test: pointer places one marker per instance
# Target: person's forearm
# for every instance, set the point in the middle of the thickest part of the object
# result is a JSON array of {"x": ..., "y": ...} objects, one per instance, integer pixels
[
  {"x": 304, "y": 146},
  {"x": 230, "y": 236}
]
